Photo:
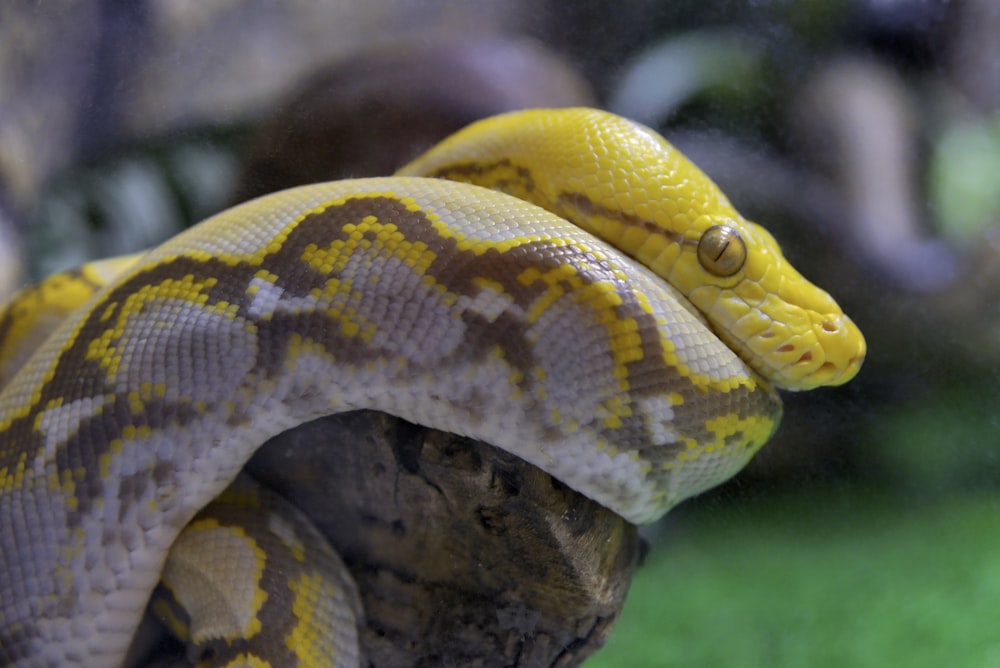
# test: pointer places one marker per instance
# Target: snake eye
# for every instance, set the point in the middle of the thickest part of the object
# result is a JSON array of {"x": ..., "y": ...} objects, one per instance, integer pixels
[{"x": 721, "y": 250}]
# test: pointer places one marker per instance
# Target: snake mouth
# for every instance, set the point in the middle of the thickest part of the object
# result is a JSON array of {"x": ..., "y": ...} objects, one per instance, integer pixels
[
  {"x": 832, "y": 374},
  {"x": 830, "y": 354}
]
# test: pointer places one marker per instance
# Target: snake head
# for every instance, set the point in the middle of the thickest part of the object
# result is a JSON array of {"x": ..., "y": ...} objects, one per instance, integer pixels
[
  {"x": 628, "y": 185},
  {"x": 784, "y": 327}
]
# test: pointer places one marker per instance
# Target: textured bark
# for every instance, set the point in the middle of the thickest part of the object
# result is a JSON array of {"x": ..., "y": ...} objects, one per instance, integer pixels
[{"x": 464, "y": 554}]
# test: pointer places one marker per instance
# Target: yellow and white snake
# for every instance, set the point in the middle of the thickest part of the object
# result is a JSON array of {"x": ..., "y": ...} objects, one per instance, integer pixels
[{"x": 598, "y": 309}]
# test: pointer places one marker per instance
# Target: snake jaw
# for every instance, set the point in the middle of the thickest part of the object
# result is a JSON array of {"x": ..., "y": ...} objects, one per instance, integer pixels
[{"x": 793, "y": 347}]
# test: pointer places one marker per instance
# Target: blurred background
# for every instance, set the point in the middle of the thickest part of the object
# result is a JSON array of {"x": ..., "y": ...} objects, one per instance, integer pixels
[{"x": 864, "y": 134}]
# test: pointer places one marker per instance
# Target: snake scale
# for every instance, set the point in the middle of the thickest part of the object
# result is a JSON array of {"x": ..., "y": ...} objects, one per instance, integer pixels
[{"x": 569, "y": 288}]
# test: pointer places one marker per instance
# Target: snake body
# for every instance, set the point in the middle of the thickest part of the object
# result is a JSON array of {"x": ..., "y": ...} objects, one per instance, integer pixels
[{"x": 631, "y": 353}]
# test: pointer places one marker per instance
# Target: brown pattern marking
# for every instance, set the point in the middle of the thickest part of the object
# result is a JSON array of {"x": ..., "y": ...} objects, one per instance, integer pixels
[
  {"x": 14, "y": 308},
  {"x": 576, "y": 205},
  {"x": 7, "y": 323},
  {"x": 573, "y": 206},
  {"x": 452, "y": 268},
  {"x": 650, "y": 377},
  {"x": 76, "y": 378},
  {"x": 485, "y": 174}
]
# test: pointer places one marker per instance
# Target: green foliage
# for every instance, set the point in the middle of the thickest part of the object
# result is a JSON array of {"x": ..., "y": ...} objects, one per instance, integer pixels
[
  {"x": 940, "y": 443},
  {"x": 965, "y": 178},
  {"x": 829, "y": 579}
]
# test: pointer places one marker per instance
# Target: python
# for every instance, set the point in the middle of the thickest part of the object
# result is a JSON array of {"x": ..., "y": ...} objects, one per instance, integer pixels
[{"x": 563, "y": 284}]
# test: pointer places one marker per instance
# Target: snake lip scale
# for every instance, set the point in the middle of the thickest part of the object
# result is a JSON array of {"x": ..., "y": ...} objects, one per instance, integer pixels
[{"x": 567, "y": 287}]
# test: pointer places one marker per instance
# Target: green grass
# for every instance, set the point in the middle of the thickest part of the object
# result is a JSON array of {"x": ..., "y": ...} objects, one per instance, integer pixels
[{"x": 828, "y": 580}]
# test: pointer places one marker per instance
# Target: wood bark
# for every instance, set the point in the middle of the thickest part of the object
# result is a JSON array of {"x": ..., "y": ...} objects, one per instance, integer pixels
[{"x": 464, "y": 554}]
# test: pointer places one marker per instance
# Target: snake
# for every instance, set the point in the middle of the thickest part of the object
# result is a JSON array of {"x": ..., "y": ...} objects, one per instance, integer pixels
[{"x": 561, "y": 283}]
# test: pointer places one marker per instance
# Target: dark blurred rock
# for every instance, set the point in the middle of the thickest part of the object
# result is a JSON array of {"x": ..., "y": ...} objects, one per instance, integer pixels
[
  {"x": 973, "y": 52},
  {"x": 371, "y": 113},
  {"x": 857, "y": 119}
]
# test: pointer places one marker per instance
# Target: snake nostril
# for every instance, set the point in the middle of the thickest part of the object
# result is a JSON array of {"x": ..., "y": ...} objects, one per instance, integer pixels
[{"x": 830, "y": 326}]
